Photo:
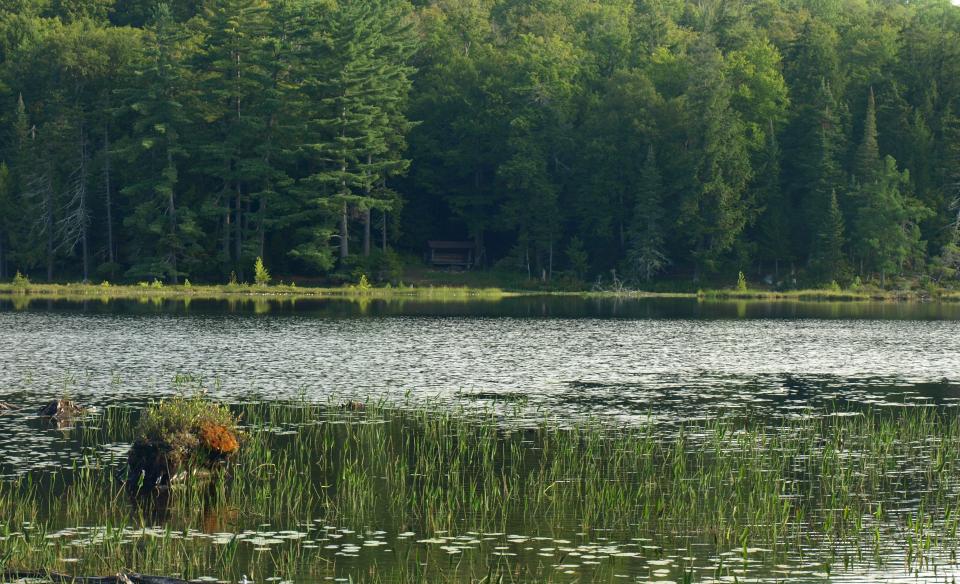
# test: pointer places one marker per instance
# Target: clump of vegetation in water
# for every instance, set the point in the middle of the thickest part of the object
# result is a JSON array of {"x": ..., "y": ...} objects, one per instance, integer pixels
[{"x": 181, "y": 435}]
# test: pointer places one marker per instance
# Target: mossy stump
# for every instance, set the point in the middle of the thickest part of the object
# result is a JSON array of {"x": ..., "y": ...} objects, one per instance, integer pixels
[{"x": 181, "y": 438}]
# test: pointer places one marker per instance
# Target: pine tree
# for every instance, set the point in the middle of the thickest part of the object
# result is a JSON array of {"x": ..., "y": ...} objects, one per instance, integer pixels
[
  {"x": 355, "y": 83},
  {"x": 164, "y": 232},
  {"x": 234, "y": 78},
  {"x": 646, "y": 255},
  {"x": 827, "y": 260}
]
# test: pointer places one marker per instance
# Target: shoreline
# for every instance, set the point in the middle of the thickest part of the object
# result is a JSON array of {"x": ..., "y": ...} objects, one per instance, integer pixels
[{"x": 461, "y": 293}]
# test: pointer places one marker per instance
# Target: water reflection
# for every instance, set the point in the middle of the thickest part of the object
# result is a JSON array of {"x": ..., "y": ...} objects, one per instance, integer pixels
[{"x": 517, "y": 307}]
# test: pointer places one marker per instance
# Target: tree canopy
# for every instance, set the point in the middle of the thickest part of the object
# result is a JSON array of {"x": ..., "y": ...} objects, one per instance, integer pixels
[{"x": 799, "y": 142}]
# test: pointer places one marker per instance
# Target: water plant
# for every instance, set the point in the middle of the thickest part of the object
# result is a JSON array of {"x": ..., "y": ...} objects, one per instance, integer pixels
[{"x": 415, "y": 492}]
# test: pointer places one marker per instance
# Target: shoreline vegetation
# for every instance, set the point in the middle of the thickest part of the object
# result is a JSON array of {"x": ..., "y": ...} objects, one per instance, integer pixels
[{"x": 440, "y": 292}]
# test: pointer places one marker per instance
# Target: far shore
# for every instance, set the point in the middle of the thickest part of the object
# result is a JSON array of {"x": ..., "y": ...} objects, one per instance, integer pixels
[{"x": 452, "y": 293}]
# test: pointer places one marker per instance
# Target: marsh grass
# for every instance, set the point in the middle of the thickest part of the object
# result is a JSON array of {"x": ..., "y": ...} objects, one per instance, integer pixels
[{"x": 868, "y": 487}]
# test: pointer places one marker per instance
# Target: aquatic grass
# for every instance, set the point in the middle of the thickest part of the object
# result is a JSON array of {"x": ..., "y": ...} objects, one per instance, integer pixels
[{"x": 759, "y": 490}]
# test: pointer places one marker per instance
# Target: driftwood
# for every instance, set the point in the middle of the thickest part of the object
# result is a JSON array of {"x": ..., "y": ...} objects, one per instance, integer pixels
[
  {"x": 121, "y": 578},
  {"x": 61, "y": 409}
]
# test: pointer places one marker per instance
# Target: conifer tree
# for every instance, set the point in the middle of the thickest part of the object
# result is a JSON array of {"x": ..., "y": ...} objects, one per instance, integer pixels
[
  {"x": 867, "y": 164},
  {"x": 646, "y": 255},
  {"x": 164, "y": 231},
  {"x": 233, "y": 75},
  {"x": 774, "y": 232},
  {"x": 715, "y": 214},
  {"x": 827, "y": 260}
]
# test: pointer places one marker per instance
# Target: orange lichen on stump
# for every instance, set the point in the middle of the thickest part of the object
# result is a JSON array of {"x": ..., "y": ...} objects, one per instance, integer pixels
[{"x": 219, "y": 439}]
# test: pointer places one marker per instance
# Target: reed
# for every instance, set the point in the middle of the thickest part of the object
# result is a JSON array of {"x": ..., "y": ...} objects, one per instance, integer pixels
[{"x": 421, "y": 493}]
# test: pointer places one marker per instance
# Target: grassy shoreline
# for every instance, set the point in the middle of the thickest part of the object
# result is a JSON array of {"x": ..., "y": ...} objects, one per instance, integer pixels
[{"x": 448, "y": 292}]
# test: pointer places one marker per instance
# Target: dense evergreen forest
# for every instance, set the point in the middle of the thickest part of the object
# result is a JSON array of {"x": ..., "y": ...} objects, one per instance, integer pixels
[{"x": 799, "y": 141}]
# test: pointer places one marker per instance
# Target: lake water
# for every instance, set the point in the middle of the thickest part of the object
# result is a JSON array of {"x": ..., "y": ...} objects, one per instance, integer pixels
[
  {"x": 524, "y": 361},
  {"x": 531, "y": 356}
]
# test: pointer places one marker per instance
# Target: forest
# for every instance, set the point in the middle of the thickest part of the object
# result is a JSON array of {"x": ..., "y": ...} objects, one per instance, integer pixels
[{"x": 801, "y": 142}]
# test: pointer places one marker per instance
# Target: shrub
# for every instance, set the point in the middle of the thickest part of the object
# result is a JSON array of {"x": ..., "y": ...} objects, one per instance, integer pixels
[
  {"x": 21, "y": 282},
  {"x": 364, "y": 284},
  {"x": 260, "y": 274},
  {"x": 741, "y": 282},
  {"x": 156, "y": 283}
]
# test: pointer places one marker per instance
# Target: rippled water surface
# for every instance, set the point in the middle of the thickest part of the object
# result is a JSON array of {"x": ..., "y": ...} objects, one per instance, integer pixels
[
  {"x": 633, "y": 363},
  {"x": 554, "y": 356}
]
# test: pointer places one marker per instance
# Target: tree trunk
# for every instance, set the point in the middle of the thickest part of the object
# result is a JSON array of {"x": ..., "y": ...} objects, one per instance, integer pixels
[
  {"x": 82, "y": 186},
  {"x": 383, "y": 232},
  {"x": 261, "y": 228},
  {"x": 550, "y": 263},
  {"x": 172, "y": 210},
  {"x": 109, "y": 203},
  {"x": 226, "y": 231},
  {"x": 344, "y": 234},
  {"x": 366, "y": 233},
  {"x": 3, "y": 263},
  {"x": 238, "y": 230},
  {"x": 48, "y": 223}
]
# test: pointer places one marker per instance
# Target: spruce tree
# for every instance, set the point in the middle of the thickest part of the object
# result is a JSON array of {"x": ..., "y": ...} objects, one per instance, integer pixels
[
  {"x": 716, "y": 212},
  {"x": 827, "y": 260},
  {"x": 867, "y": 163},
  {"x": 646, "y": 255},
  {"x": 774, "y": 230}
]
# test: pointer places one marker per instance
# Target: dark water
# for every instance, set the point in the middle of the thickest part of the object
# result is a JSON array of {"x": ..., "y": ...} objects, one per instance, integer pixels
[{"x": 619, "y": 361}]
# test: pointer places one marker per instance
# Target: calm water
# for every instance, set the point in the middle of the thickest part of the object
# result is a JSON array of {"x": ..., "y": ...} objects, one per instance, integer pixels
[
  {"x": 623, "y": 362},
  {"x": 532, "y": 356}
]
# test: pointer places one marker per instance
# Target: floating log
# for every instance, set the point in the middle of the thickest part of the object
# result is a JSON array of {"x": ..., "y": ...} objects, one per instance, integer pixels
[{"x": 120, "y": 578}]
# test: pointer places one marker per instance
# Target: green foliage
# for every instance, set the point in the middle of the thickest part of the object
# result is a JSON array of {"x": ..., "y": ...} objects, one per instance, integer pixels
[
  {"x": 364, "y": 284},
  {"x": 20, "y": 282},
  {"x": 178, "y": 421},
  {"x": 741, "y": 282},
  {"x": 156, "y": 141},
  {"x": 578, "y": 258},
  {"x": 260, "y": 274},
  {"x": 827, "y": 261}
]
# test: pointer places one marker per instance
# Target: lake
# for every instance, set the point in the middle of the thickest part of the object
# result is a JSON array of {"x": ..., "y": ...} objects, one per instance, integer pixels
[{"x": 668, "y": 374}]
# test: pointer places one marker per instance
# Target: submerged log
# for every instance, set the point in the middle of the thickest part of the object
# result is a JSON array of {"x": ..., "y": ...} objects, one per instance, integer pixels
[
  {"x": 5, "y": 407},
  {"x": 120, "y": 578},
  {"x": 61, "y": 409}
]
